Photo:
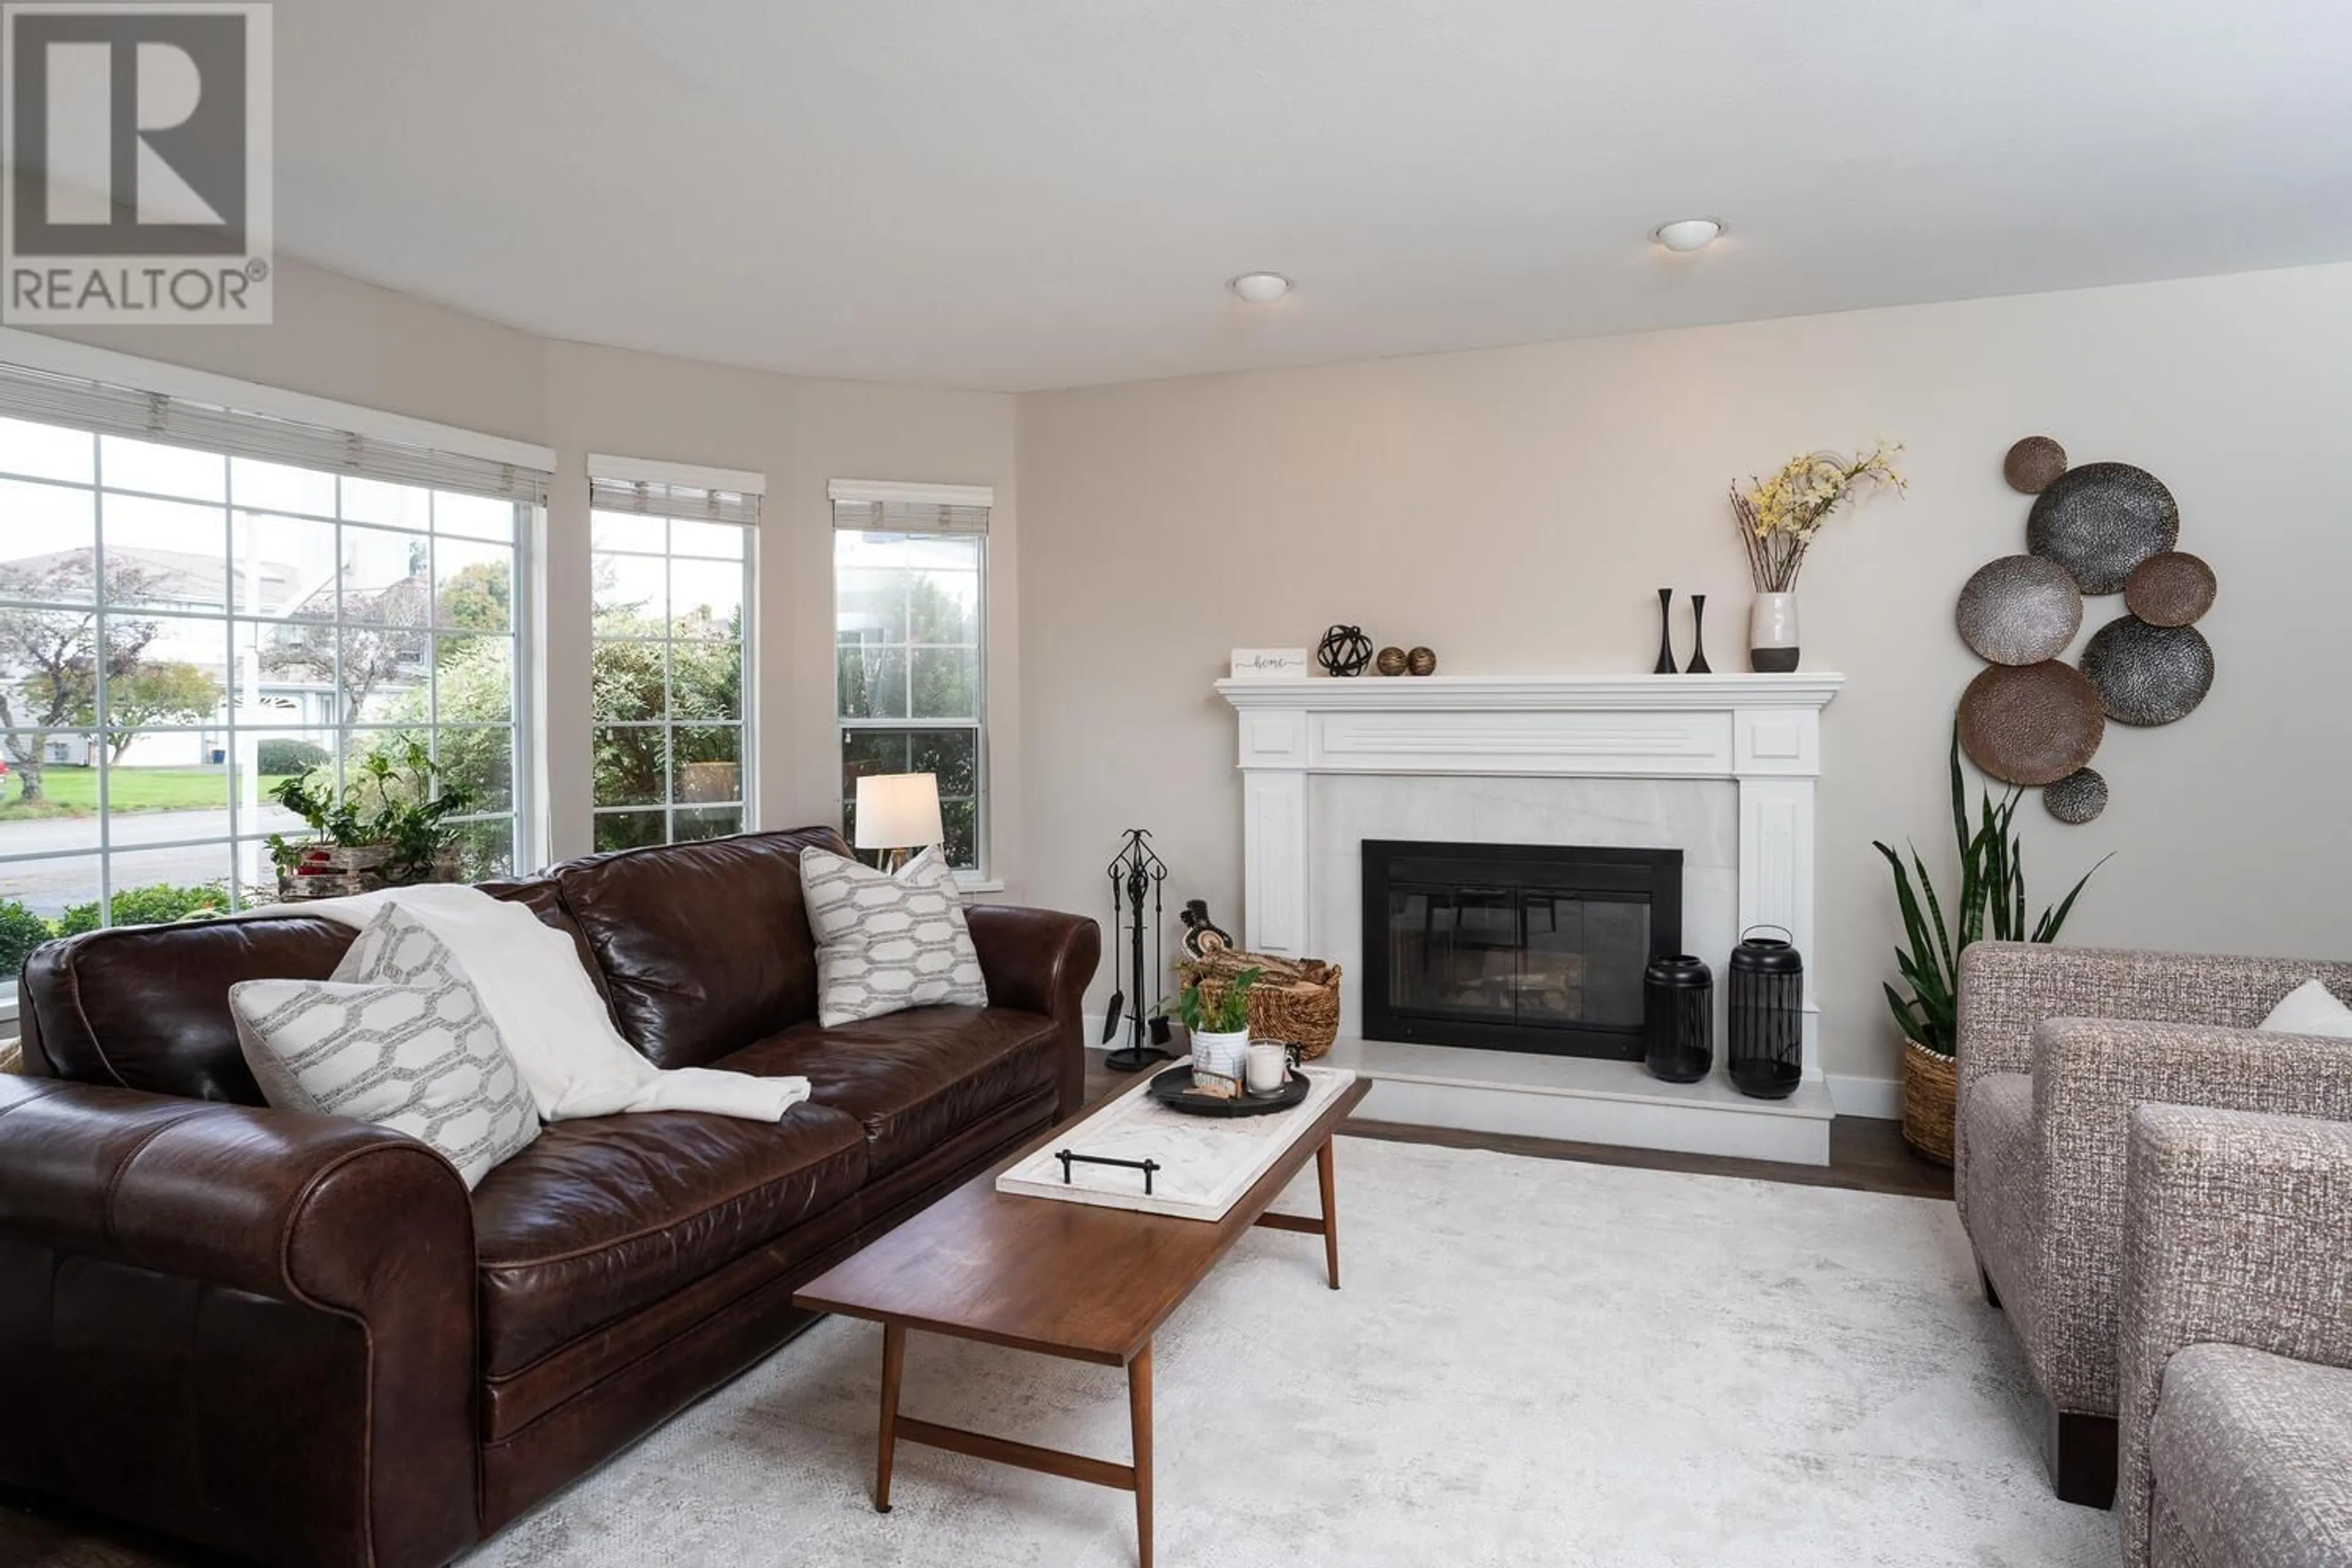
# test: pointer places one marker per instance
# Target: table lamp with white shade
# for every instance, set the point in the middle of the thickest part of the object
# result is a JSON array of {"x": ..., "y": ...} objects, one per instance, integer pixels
[{"x": 899, "y": 812}]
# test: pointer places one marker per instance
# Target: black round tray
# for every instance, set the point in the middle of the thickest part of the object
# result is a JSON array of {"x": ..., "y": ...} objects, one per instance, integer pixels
[{"x": 1173, "y": 1089}]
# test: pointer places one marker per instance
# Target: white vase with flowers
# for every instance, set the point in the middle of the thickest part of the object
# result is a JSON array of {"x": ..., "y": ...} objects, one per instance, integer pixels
[{"x": 1778, "y": 518}]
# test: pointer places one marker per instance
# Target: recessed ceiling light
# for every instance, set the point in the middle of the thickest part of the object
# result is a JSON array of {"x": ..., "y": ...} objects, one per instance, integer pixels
[
  {"x": 1688, "y": 234},
  {"x": 1261, "y": 288}
]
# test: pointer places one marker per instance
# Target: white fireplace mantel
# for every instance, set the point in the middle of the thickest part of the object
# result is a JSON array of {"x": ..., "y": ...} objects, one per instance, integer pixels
[
  {"x": 1762, "y": 733},
  {"x": 1522, "y": 693}
]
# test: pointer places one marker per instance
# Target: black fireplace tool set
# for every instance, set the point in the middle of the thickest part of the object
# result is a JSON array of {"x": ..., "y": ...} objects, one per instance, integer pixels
[{"x": 1137, "y": 874}]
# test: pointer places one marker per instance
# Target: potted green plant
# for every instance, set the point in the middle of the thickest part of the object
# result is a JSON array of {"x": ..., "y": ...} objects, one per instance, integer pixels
[
  {"x": 386, "y": 826},
  {"x": 1991, "y": 902},
  {"x": 1215, "y": 1012}
]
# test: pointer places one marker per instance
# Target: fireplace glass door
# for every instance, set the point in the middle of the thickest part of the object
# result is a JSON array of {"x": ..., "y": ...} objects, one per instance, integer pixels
[{"x": 1523, "y": 947}]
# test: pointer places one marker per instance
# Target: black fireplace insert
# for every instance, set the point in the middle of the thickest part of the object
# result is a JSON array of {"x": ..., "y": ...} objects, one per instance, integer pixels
[{"x": 1515, "y": 947}]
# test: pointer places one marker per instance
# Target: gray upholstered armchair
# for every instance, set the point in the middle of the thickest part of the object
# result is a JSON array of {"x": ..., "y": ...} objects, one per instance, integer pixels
[
  {"x": 2237, "y": 1342},
  {"x": 2056, "y": 1046}
]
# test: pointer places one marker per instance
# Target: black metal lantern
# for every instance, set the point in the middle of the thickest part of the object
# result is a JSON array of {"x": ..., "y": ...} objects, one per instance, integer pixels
[
  {"x": 1766, "y": 1013},
  {"x": 1678, "y": 1019}
]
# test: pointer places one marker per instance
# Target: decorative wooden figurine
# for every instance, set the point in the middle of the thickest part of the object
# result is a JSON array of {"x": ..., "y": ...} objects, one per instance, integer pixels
[{"x": 1201, "y": 935}]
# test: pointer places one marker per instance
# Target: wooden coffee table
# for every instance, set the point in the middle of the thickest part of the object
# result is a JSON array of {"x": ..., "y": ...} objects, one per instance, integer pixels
[{"x": 1067, "y": 1279}]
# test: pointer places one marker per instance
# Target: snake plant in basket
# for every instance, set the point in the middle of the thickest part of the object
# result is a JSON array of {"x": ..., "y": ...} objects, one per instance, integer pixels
[{"x": 1991, "y": 902}]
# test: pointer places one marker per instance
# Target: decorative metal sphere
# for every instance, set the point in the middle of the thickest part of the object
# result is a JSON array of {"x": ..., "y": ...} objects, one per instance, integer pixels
[
  {"x": 1420, "y": 661},
  {"x": 1390, "y": 661},
  {"x": 1344, "y": 650}
]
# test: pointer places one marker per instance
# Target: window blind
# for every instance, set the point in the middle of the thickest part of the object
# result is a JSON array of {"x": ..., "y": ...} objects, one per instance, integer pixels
[
  {"x": 875, "y": 506},
  {"x": 907, "y": 517},
  {"x": 113, "y": 410},
  {"x": 658, "y": 499}
]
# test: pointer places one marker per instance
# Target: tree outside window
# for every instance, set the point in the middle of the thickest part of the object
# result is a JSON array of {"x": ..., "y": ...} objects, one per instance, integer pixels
[
  {"x": 182, "y": 627},
  {"x": 908, "y": 613},
  {"x": 670, "y": 744}
]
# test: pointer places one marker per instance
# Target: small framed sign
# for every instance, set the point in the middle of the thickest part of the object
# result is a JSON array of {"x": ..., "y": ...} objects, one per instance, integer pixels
[{"x": 1269, "y": 663}]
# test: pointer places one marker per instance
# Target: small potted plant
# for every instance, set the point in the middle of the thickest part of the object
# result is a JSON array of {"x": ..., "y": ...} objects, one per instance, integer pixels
[
  {"x": 1215, "y": 1012},
  {"x": 387, "y": 827}
]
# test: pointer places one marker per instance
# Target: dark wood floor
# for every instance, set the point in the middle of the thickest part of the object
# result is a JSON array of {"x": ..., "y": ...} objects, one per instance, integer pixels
[{"x": 1865, "y": 1155}]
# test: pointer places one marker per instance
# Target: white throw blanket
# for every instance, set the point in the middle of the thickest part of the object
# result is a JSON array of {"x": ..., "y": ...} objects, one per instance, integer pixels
[{"x": 573, "y": 1061}]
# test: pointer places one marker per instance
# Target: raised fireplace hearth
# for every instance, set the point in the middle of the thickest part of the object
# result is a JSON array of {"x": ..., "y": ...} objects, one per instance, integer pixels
[
  {"x": 1719, "y": 767},
  {"x": 1514, "y": 947}
]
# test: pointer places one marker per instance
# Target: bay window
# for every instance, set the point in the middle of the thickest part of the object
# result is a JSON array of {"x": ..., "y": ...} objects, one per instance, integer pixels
[{"x": 196, "y": 603}]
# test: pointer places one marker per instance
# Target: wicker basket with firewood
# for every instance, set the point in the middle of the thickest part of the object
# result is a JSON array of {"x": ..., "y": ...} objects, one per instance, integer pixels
[{"x": 1295, "y": 1000}]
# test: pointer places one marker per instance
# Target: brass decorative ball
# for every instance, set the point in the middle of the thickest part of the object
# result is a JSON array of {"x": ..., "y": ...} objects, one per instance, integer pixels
[
  {"x": 1390, "y": 661},
  {"x": 1420, "y": 661}
]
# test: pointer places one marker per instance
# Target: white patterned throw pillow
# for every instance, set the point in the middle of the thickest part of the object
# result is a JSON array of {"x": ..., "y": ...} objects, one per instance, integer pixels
[
  {"x": 2309, "y": 1009},
  {"x": 887, "y": 942},
  {"x": 397, "y": 1037}
]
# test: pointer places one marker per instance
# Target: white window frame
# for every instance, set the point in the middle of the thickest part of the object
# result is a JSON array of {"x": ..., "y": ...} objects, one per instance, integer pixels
[
  {"x": 59, "y": 356},
  {"x": 234, "y": 616},
  {"x": 745, "y": 482},
  {"x": 982, "y": 878}
]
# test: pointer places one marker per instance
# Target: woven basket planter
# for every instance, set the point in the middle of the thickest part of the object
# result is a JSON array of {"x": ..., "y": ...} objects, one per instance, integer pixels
[
  {"x": 1930, "y": 1090},
  {"x": 332, "y": 871},
  {"x": 1294, "y": 1001}
]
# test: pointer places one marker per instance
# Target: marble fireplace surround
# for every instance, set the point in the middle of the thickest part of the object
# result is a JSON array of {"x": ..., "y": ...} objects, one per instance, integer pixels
[{"x": 1722, "y": 768}]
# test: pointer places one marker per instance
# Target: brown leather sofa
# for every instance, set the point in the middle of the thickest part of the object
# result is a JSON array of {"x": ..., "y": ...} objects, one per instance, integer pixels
[{"x": 299, "y": 1340}]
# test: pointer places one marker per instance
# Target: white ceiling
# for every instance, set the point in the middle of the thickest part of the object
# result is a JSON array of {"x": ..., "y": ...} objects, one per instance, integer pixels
[{"x": 1023, "y": 193}]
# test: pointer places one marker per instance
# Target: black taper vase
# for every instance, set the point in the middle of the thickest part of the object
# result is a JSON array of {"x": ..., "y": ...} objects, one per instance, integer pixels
[
  {"x": 1698, "y": 665},
  {"x": 1665, "y": 632}
]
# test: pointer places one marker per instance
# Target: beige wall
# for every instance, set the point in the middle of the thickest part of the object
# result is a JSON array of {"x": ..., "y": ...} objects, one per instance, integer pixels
[
  {"x": 1516, "y": 509},
  {"x": 337, "y": 338},
  {"x": 334, "y": 337},
  {"x": 801, "y": 434}
]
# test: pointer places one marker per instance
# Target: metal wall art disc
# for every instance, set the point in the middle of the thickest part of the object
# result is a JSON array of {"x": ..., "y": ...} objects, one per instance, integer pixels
[
  {"x": 2174, "y": 589},
  {"x": 2030, "y": 724},
  {"x": 2020, "y": 609},
  {"x": 2148, "y": 674},
  {"x": 2078, "y": 797},
  {"x": 2102, "y": 519},
  {"x": 2033, "y": 464}
]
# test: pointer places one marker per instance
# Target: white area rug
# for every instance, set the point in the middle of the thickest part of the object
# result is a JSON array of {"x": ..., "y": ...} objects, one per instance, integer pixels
[{"x": 1535, "y": 1363}]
